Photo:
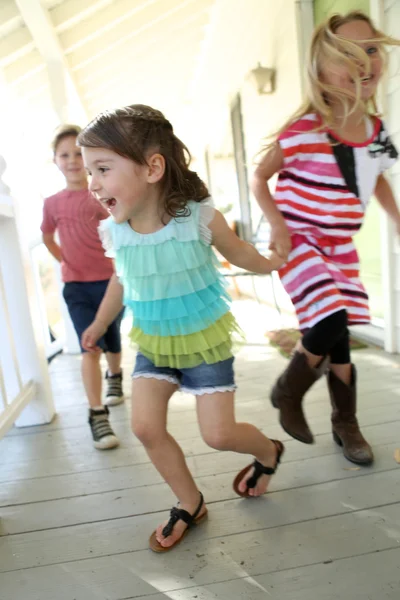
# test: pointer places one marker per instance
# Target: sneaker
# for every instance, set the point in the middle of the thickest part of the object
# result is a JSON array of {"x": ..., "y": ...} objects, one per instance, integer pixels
[
  {"x": 114, "y": 394},
  {"x": 103, "y": 436}
]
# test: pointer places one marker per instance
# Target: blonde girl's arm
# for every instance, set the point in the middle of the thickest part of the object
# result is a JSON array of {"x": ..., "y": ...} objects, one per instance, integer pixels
[
  {"x": 109, "y": 309},
  {"x": 385, "y": 197},
  {"x": 271, "y": 163},
  {"x": 238, "y": 252}
]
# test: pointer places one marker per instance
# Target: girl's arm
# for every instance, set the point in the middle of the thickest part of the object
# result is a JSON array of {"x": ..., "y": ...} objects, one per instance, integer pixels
[
  {"x": 271, "y": 164},
  {"x": 111, "y": 305},
  {"x": 109, "y": 309},
  {"x": 238, "y": 252},
  {"x": 385, "y": 197},
  {"x": 52, "y": 246}
]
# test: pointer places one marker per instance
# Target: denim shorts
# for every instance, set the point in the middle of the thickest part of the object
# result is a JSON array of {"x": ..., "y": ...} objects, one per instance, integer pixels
[
  {"x": 203, "y": 379},
  {"x": 83, "y": 299}
]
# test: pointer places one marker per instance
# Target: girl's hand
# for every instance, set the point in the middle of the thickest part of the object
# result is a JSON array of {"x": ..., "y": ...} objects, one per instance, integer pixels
[
  {"x": 276, "y": 261},
  {"x": 92, "y": 334},
  {"x": 280, "y": 240}
]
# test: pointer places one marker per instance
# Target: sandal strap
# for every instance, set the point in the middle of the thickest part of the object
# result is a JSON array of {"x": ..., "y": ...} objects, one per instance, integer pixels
[
  {"x": 260, "y": 469},
  {"x": 179, "y": 514}
]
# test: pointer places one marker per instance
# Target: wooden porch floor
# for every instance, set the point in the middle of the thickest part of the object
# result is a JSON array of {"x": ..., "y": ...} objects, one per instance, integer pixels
[{"x": 74, "y": 522}]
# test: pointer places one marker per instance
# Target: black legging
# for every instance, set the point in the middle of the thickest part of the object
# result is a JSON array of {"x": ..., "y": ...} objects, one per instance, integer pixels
[{"x": 330, "y": 336}]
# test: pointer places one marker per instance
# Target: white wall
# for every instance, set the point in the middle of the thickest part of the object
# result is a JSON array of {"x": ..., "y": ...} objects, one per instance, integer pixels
[
  {"x": 263, "y": 115},
  {"x": 241, "y": 35}
]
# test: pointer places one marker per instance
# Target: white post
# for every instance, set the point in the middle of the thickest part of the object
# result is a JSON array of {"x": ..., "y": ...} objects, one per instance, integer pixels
[
  {"x": 21, "y": 332},
  {"x": 386, "y": 228},
  {"x": 305, "y": 27}
]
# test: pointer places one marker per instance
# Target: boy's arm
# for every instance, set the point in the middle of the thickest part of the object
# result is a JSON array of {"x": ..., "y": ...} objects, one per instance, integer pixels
[
  {"x": 48, "y": 227},
  {"x": 238, "y": 252},
  {"x": 385, "y": 197},
  {"x": 52, "y": 246}
]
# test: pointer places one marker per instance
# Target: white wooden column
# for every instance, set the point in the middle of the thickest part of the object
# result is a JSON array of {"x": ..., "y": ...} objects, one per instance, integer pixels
[
  {"x": 305, "y": 27},
  {"x": 383, "y": 14},
  {"x": 66, "y": 101},
  {"x": 26, "y": 397}
]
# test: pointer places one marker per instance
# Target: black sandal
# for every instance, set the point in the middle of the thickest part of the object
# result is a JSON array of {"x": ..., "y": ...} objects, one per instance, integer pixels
[
  {"x": 259, "y": 470},
  {"x": 178, "y": 514}
]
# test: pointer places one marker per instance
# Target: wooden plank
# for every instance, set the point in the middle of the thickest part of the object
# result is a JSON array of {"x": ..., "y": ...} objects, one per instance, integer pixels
[
  {"x": 201, "y": 561},
  {"x": 332, "y": 498},
  {"x": 92, "y": 460},
  {"x": 77, "y": 521},
  {"x": 42, "y": 445},
  {"x": 183, "y": 425},
  {"x": 71, "y": 402},
  {"x": 294, "y": 472},
  {"x": 367, "y": 577},
  {"x": 375, "y": 575},
  {"x": 251, "y": 394},
  {"x": 317, "y": 404}
]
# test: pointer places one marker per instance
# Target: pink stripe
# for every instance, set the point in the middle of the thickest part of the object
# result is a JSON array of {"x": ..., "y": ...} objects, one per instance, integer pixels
[
  {"x": 338, "y": 276},
  {"x": 305, "y": 274},
  {"x": 301, "y": 126},
  {"x": 318, "y": 168},
  {"x": 347, "y": 258}
]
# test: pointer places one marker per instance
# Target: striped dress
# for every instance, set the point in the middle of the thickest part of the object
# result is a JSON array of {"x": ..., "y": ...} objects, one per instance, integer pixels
[{"x": 322, "y": 191}]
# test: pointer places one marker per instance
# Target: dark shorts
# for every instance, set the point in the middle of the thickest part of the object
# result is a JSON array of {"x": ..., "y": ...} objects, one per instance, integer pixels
[
  {"x": 203, "y": 379},
  {"x": 83, "y": 299}
]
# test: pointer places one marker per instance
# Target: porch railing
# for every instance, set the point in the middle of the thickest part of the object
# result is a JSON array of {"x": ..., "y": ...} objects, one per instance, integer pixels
[
  {"x": 25, "y": 392},
  {"x": 54, "y": 315}
]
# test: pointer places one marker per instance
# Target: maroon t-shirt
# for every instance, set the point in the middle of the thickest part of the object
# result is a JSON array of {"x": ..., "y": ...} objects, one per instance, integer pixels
[{"x": 76, "y": 215}]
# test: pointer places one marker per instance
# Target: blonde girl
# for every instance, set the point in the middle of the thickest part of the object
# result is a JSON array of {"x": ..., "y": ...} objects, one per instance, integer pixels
[{"x": 330, "y": 158}]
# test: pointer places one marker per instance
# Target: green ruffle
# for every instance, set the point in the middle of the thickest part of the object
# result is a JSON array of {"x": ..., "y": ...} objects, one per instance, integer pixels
[
  {"x": 187, "y": 349},
  {"x": 183, "y": 361}
]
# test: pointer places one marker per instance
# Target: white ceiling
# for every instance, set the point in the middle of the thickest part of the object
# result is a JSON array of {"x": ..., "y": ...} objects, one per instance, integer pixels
[
  {"x": 111, "y": 53},
  {"x": 67, "y": 60}
]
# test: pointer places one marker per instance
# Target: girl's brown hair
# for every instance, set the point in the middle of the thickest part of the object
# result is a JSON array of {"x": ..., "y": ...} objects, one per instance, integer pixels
[
  {"x": 327, "y": 45},
  {"x": 136, "y": 131}
]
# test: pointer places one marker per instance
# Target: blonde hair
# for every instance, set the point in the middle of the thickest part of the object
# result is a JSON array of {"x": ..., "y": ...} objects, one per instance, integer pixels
[{"x": 326, "y": 45}]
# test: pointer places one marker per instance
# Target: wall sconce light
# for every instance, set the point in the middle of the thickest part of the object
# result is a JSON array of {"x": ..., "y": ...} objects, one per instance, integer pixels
[{"x": 264, "y": 78}]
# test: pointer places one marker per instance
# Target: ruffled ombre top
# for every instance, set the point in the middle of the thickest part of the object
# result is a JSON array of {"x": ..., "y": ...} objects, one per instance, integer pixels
[{"x": 174, "y": 289}]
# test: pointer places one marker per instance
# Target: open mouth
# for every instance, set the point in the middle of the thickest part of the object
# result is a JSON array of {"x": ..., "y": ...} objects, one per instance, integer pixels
[{"x": 109, "y": 202}]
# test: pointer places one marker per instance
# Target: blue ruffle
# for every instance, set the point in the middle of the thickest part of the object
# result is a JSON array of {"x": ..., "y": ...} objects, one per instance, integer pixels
[
  {"x": 158, "y": 287},
  {"x": 169, "y": 257},
  {"x": 183, "y": 229},
  {"x": 181, "y": 307}
]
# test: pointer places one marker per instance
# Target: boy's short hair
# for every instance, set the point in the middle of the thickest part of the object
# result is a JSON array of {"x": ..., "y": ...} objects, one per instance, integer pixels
[{"x": 63, "y": 132}]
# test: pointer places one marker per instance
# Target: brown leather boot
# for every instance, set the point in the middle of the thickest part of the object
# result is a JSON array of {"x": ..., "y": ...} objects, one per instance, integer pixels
[
  {"x": 345, "y": 429},
  {"x": 287, "y": 396}
]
